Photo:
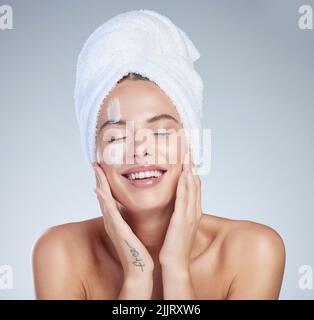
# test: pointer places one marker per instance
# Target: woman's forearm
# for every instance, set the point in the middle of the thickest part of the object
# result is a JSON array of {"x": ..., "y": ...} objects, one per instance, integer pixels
[
  {"x": 137, "y": 289},
  {"x": 177, "y": 285}
]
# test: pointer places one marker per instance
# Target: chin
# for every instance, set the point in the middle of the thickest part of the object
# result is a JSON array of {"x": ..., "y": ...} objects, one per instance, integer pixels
[{"x": 148, "y": 201}]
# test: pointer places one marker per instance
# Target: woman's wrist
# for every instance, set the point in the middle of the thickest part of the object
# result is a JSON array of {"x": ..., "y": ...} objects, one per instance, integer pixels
[
  {"x": 138, "y": 279},
  {"x": 177, "y": 283},
  {"x": 177, "y": 269},
  {"x": 175, "y": 273},
  {"x": 137, "y": 288}
]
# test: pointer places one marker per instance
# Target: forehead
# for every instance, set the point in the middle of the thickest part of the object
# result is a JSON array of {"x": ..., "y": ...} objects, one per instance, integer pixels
[{"x": 138, "y": 99}]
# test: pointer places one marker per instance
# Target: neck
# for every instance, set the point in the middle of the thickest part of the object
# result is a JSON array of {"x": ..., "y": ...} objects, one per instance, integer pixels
[{"x": 150, "y": 226}]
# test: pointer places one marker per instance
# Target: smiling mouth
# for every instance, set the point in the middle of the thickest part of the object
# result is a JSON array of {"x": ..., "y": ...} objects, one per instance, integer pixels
[
  {"x": 144, "y": 179},
  {"x": 142, "y": 175}
]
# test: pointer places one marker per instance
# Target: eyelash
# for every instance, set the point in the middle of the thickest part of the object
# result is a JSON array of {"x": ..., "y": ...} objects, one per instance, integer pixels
[
  {"x": 162, "y": 133},
  {"x": 113, "y": 139}
]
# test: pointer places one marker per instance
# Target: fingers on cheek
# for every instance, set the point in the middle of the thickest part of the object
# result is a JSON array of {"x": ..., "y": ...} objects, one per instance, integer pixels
[
  {"x": 97, "y": 178},
  {"x": 100, "y": 193},
  {"x": 102, "y": 198},
  {"x": 186, "y": 187},
  {"x": 199, "y": 195},
  {"x": 198, "y": 187},
  {"x": 195, "y": 177},
  {"x": 191, "y": 193},
  {"x": 101, "y": 178},
  {"x": 111, "y": 219},
  {"x": 192, "y": 184},
  {"x": 96, "y": 190},
  {"x": 181, "y": 184}
]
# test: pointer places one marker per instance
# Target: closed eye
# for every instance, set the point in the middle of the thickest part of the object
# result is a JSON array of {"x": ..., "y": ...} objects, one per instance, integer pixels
[
  {"x": 113, "y": 139},
  {"x": 162, "y": 133}
]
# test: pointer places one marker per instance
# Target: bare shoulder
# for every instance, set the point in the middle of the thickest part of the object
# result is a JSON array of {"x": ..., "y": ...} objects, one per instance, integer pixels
[
  {"x": 254, "y": 240},
  {"x": 255, "y": 255},
  {"x": 59, "y": 256},
  {"x": 66, "y": 237},
  {"x": 244, "y": 234}
]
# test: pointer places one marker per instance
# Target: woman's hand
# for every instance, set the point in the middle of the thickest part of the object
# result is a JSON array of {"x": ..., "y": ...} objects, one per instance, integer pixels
[
  {"x": 136, "y": 261},
  {"x": 175, "y": 253},
  {"x": 176, "y": 250}
]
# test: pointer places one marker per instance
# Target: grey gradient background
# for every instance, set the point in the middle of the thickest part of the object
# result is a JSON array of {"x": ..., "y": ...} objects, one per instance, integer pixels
[{"x": 258, "y": 73}]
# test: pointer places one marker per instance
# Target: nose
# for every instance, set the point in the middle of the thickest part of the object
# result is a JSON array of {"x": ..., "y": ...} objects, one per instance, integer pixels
[
  {"x": 142, "y": 149},
  {"x": 141, "y": 153}
]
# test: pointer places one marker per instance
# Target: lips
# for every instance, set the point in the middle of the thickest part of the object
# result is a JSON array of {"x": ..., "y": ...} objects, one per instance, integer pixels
[{"x": 144, "y": 176}]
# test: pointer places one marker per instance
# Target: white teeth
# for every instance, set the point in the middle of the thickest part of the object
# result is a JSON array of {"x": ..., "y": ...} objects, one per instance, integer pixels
[{"x": 144, "y": 174}]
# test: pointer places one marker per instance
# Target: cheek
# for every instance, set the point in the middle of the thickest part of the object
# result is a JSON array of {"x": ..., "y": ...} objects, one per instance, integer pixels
[
  {"x": 112, "y": 154},
  {"x": 172, "y": 149},
  {"x": 111, "y": 173},
  {"x": 174, "y": 172}
]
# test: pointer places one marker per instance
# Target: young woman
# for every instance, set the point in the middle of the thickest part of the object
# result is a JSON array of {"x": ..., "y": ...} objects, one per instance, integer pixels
[{"x": 152, "y": 240}]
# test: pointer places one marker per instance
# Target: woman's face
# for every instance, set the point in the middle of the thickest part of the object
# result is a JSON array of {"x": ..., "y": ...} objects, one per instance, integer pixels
[{"x": 139, "y": 130}]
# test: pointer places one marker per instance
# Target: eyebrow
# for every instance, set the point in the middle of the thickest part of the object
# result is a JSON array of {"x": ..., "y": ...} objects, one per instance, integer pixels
[{"x": 150, "y": 120}]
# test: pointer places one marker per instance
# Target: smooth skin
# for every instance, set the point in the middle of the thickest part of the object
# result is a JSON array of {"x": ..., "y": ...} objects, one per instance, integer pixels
[{"x": 155, "y": 243}]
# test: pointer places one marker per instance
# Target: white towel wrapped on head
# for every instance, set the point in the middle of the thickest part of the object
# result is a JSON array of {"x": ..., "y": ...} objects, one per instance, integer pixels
[{"x": 145, "y": 42}]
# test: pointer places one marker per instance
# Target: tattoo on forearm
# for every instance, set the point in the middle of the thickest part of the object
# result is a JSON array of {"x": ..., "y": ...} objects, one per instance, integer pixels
[{"x": 135, "y": 254}]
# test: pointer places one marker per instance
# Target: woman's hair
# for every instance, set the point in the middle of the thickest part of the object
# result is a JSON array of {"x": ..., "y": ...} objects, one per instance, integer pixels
[{"x": 133, "y": 76}]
